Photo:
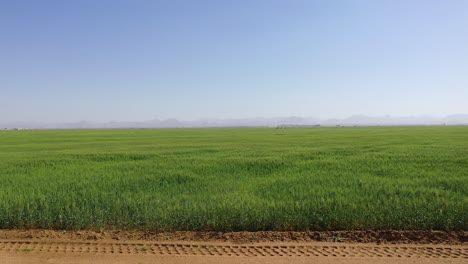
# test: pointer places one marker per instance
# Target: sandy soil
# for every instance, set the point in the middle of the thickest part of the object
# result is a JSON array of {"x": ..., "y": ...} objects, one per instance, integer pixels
[
  {"x": 47, "y": 246},
  {"x": 379, "y": 237}
]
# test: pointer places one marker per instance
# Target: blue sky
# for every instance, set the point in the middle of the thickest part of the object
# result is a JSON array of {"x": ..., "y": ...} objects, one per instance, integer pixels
[{"x": 139, "y": 60}]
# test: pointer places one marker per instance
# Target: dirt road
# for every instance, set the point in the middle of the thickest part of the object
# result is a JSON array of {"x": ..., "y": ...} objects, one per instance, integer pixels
[
  {"x": 143, "y": 247},
  {"x": 143, "y": 252}
]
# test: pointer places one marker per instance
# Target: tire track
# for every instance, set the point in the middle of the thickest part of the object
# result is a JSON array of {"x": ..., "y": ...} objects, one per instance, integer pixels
[{"x": 199, "y": 249}]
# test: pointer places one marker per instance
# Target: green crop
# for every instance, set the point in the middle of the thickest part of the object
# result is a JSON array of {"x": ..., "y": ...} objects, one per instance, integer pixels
[{"x": 235, "y": 179}]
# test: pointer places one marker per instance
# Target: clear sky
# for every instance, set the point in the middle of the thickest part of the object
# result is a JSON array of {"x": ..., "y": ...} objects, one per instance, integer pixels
[{"x": 137, "y": 60}]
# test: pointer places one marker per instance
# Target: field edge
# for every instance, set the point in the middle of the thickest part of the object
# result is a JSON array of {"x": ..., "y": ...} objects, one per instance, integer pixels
[{"x": 351, "y": 236}]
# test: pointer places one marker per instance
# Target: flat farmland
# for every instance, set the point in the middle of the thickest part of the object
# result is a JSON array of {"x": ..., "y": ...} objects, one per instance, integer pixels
[{"x": 236, "y": 179}]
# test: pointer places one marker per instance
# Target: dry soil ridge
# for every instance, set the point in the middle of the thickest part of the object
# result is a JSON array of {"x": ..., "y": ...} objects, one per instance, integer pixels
[{"x": 370, "y": 236}]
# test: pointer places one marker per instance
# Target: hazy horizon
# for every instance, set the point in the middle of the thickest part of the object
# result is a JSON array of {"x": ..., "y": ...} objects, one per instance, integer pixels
[
  {"x": 356, "y": 120},
  {"x": 134, "y": 61}
]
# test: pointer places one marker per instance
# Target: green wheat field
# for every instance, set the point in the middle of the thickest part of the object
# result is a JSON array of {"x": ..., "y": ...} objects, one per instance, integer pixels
[{"x": 233, "y": 179}]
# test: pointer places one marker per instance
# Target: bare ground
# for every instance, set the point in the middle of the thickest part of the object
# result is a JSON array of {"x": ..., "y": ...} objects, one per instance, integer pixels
[
  {"x": 370, "y": 236},
  {"x": 51, "y": 246}
]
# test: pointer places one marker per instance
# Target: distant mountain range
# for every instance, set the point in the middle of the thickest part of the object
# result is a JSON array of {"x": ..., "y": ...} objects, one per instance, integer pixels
[{"x": 356, "y": 120}]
